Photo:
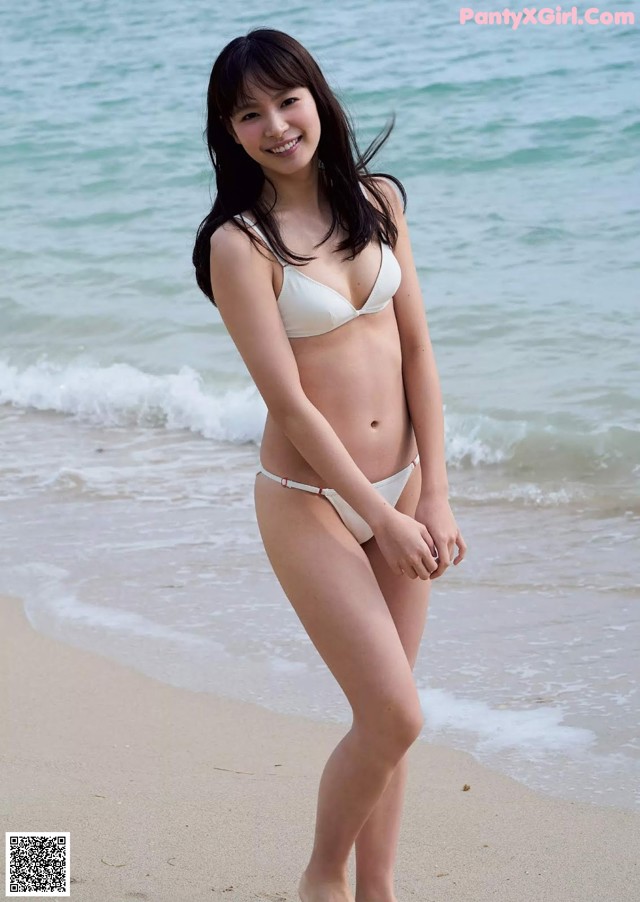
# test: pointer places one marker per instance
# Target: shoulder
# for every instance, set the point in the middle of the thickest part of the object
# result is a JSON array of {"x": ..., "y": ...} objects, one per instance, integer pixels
[
  {"x": 230, "y": 244},
  {"x": 392, "y": 193},
  {"x": 227, "y": 238},
  {"x": 230, "y": 239},
  {"x": 235, "y": 262}
]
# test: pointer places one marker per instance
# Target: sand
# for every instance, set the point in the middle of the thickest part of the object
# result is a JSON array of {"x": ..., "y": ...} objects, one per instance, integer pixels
[{"x": 172, "y": 795}]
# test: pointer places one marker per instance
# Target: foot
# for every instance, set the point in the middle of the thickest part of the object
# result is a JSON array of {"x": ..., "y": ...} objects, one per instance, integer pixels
[
  {"x": 315, "y": 891},
  {"x": 379, "y": 894}
]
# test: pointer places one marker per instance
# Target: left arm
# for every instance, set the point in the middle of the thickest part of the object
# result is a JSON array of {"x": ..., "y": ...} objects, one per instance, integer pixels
[{"x": 424, "y": 397}]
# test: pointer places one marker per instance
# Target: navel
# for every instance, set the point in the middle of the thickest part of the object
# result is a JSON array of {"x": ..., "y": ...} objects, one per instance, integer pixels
[{"x": 374, "y": 423}]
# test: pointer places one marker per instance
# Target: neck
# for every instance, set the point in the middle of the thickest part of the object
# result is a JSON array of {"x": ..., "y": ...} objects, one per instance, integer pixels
[{"x": 303, "y": 190}]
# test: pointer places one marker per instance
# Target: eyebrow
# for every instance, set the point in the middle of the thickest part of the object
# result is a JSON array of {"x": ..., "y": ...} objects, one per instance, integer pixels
[{"x": 251, "y": 101}]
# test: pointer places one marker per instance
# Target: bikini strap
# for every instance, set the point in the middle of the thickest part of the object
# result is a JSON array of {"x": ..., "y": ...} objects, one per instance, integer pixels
[
  {"x": 256, "y": 228},
  {"x": 292, "y": 484}
]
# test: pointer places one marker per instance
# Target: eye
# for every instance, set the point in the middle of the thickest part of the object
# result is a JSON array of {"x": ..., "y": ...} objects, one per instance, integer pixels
[{"x": 288, "y": 101}]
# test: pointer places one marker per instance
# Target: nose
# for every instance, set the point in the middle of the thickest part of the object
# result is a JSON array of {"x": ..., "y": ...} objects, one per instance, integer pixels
[{"x": 275, "y": 125}]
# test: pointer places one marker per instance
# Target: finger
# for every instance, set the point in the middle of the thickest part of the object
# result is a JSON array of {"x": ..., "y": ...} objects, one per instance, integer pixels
[
  {"x": 441, "y": 559},
  {"x": 407, "y": 570},
  {"x": 443, "y": 555},
  {"x": 429, "y": 555},
  {"x": 430, "y": 563},
  {"x": 421, "y": 568},
  {"x": 439, "y": 570},
  {"x": 462, "y": 549},
  {"x": 428, "y": 541}
]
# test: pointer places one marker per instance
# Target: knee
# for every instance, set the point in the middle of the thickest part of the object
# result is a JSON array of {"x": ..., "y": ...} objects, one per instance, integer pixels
[
  {"x": 410, "y": 724},
  {"x": 395, "y": 727}
]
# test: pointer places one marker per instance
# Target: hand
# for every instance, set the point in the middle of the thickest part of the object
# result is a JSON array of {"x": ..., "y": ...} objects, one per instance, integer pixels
[
  {"x": 434, "y": 512},
  {"x": 406, "y": 545}
]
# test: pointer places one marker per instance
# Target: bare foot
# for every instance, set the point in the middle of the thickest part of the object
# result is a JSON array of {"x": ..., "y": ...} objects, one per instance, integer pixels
[{"x": 335, "y": 891}]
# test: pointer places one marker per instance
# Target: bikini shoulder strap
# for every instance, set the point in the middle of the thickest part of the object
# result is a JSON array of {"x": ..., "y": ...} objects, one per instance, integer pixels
[{"x": 256, "y": 228}]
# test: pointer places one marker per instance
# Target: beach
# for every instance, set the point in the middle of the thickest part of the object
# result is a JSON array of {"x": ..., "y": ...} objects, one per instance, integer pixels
[
  {"x": 171, "y": 794},
  {"x": 160, "y": 699}
]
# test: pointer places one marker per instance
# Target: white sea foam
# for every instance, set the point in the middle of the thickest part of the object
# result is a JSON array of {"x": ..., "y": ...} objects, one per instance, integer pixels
[
  {"x": 120, "y": 394},
  {"x": 45, "y": 588},
  {"x": 479, "y": 439},
  {"x": 69, "y": 611},
  {"x": 538, "y": 729}
]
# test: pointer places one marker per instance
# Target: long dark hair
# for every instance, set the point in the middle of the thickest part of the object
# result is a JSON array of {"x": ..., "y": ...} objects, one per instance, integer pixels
[{"x": 275, "y": 61}]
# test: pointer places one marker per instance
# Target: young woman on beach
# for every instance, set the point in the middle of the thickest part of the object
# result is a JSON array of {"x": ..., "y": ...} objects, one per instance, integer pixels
[{"x": 308, "y": 259}]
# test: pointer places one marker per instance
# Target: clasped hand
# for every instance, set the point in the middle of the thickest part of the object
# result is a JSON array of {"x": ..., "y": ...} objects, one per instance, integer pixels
[{"x": 421, "y": 546}]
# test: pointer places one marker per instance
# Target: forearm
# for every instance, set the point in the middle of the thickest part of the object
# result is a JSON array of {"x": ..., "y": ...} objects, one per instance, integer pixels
[
  {"x": 316, "y": 440},
  {"x": 424, "y": 399}
]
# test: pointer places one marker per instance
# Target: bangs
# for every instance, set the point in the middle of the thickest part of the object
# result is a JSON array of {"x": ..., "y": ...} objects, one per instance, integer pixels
[{"x": 271, "y": 69}]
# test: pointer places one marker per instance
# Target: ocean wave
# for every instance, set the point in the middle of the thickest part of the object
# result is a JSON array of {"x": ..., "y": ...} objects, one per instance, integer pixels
[
  {"x": 119, "y": 395},
  {"x": 548, "y": 452}
]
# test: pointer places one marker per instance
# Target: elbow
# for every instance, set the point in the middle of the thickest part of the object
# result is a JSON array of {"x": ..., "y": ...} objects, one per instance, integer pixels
[{"x": 291, "y": 414}]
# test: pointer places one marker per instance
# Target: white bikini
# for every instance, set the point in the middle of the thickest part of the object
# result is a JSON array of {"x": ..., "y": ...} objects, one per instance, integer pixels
[{"x": 309, "y": 307}]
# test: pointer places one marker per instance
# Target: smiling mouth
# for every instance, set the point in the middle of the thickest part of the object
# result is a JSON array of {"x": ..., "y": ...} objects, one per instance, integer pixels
[{"x": 293, "y": 143}]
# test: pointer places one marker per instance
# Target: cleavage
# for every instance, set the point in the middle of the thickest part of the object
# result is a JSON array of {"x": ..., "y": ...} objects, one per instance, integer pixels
[{"x": 320, "y": 277}]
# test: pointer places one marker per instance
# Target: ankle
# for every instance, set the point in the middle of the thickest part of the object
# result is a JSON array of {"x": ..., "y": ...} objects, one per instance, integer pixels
[
  {"x": 377, "y": 891},
  {"x": 320, "y": 874},
  {"x": 323, "y": 888}
]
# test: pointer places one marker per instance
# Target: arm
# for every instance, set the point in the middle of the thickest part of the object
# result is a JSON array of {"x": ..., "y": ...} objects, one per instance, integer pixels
[
  {"x": 242, "y": 287},
  {"x": 419, "y": 371},
  {"x": 424, "y": 399},
  {"x": 422, "y": 388}
]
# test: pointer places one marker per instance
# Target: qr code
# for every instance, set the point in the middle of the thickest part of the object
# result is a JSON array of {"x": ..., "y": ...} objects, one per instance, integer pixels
[{"x": 37, "y": 864}]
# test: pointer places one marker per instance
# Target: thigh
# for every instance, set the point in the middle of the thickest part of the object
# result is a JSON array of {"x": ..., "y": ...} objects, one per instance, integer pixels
[
  {"x": 329, "y": 581},
  {"x": 407, "y": 599}
]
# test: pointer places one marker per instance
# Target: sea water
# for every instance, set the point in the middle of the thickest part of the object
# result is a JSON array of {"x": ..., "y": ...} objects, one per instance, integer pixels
[{"x": 131, "y": 429}]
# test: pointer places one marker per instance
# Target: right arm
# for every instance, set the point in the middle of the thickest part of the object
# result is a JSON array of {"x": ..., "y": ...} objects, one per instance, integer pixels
[{"x": 241, "y": 283}]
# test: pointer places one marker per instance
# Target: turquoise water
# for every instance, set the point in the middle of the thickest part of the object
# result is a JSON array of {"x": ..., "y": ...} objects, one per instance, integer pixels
[{"x": 129, "y": 419}]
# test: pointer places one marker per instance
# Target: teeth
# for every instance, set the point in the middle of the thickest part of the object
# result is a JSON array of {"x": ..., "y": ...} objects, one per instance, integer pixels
[{"x": 286, "y": 146}]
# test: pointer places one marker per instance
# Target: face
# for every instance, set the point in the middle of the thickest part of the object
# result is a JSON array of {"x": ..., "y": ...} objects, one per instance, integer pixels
[{"x": 276, "y": 118}]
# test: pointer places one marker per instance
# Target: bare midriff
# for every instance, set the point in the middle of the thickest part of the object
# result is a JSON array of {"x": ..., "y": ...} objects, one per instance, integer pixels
[{"x": 353, "y": 375}]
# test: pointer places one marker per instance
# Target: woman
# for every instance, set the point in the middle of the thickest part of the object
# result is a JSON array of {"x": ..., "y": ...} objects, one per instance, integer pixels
[{"x": 355, "y": 522}]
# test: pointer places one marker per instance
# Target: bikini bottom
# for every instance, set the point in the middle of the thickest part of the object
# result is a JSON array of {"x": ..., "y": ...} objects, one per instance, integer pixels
[{"x": 390, "y": 488}]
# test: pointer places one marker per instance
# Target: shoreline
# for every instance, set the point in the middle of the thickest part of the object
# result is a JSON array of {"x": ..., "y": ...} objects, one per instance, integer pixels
[{"x": 174, "y": 794}]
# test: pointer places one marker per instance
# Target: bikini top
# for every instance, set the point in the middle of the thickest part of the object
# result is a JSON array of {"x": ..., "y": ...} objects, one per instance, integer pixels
[{"x": 309, "y": 307}]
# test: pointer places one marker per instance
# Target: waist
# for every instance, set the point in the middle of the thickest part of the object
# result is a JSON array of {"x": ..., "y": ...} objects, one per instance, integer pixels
[{"x": 378, "y": 456}]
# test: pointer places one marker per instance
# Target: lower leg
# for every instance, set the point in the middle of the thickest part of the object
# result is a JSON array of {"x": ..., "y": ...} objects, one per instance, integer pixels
[
  {"x": 377, "y": 842},
  {"x": 354, "y": 778}
]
